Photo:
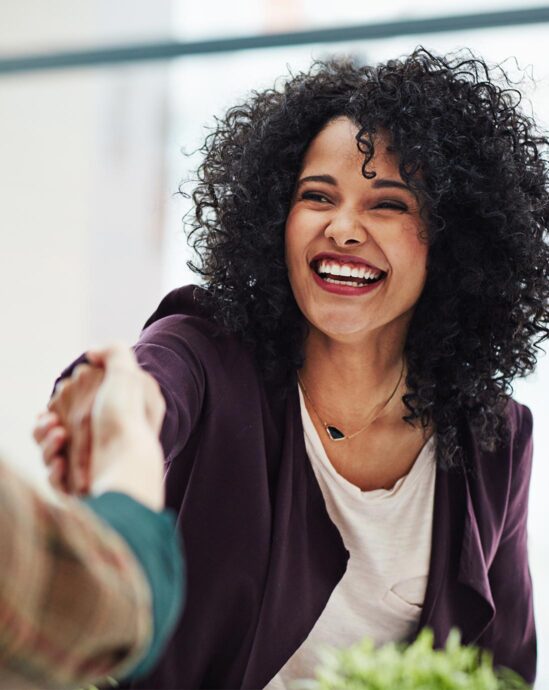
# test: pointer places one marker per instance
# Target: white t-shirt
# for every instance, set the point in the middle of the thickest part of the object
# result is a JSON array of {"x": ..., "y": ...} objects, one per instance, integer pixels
[{"x": 388, "y": 536}]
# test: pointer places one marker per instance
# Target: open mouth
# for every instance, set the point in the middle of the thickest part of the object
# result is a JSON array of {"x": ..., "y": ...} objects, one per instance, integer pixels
[{"x": 350, "y": 274}]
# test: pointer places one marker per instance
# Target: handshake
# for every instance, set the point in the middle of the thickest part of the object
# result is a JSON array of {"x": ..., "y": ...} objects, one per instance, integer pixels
[
  {"x": 112, "y": 569},
  {"x": 100, "y": 430}
]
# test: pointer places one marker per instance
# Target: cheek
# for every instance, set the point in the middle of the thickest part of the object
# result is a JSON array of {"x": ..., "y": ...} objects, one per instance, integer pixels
[
  {"x": 418, "y": 253},
  {"x": 410, "y": 259}
]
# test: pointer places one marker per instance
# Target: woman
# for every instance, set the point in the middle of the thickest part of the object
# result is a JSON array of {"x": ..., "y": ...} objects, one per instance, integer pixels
[{"x": 341, "y": 444}]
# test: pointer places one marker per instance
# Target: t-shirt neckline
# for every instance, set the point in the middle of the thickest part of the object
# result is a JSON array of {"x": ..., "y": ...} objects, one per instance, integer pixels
[{"x": 313, "y": 443}]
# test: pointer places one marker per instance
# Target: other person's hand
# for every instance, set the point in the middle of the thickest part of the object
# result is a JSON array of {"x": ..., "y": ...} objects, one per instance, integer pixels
[{"x": 127, "y": 416}]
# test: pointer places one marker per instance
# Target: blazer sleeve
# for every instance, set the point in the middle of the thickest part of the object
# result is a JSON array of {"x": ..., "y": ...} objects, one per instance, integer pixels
[
  {"x": 168, "y": 351},
  {"x": 75, "y": 605},
  {"x": 513, "y": 633}
]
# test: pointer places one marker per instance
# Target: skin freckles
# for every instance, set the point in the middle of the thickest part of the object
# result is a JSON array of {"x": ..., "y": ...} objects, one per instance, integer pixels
[{"x": 336, "y": 209}]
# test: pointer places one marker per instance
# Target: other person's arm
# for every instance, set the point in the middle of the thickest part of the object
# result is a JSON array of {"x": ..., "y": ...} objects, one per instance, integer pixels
[
  {"x": 75, "y": 604},
  {"x": 100, "y": 624}
]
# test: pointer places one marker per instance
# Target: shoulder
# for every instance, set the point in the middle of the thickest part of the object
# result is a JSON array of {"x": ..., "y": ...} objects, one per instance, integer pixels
[
  {"x": 516, "y": 437},
  {"x": 182, "y": 327},
  {"x": 179, "y": 319},
  {"x": 180, "y": 338},
  {"x": 506, "y": 470},
  {"x": 519, "y": 422},
  {"x": 520, "y": 445}
]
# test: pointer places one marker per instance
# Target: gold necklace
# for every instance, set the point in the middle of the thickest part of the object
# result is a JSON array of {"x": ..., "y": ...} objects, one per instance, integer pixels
[{"x": 334, "y": 433}]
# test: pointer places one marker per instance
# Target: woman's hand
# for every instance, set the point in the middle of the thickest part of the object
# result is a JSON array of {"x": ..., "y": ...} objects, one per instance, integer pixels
[
  {"x": 64, "y": 430},
  {"x": 51, "y": 436}
]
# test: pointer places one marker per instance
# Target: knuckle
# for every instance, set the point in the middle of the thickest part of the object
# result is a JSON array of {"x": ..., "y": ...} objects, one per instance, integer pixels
[
  {"x": 60, "y": 388},
  {"x": 81, "y": 372}
]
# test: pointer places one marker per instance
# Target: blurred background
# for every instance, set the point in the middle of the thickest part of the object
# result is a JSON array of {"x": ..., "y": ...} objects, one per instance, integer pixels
[{"x": 93, "y": 148}]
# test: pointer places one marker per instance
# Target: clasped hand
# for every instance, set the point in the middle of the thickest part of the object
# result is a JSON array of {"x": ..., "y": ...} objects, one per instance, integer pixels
[{"x": 100, "y": 430}]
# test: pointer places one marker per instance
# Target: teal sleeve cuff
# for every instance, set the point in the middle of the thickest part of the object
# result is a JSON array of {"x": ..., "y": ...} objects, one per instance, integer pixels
[{"x": 154, "y": 539}]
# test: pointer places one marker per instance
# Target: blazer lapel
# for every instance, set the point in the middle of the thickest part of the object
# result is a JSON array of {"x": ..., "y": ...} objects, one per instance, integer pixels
[
  {"x": 308, "y": 559},
  {"x": 458, "y": 589},
  {"x": 478, "y": 610}
]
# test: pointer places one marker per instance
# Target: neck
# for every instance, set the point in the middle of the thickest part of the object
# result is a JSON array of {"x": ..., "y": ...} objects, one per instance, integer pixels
[{"x": 345, "y": 380}]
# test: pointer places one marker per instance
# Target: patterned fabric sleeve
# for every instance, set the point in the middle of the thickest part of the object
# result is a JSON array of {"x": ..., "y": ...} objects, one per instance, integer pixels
[{"x": 75, "y": 605}]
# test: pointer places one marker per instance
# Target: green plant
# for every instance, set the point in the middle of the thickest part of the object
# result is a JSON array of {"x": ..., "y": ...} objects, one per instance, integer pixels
[{"x": 414, "y": 667}]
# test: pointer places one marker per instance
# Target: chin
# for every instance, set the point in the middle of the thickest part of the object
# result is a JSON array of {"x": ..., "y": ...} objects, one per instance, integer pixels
[{"x": 342, "y": 326}]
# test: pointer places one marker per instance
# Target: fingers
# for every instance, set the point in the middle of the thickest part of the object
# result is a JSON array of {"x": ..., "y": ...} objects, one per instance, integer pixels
[
  {"x": 57, "y": 474},
  {"x": 53, "y": 443},
  {"x": 74, "y": 396},
  {"x": 80, "y": 458},
  {"x": 108, "y": 396},
  {"x": 127, "y": 390},
  {"x": 71, "y": 408},
  {"x": 57, "y": 393},
  {"x": 44, "y": 423}
]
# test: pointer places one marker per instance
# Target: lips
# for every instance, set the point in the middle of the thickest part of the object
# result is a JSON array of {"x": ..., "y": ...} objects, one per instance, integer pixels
[{"x": 346, "y": 271}]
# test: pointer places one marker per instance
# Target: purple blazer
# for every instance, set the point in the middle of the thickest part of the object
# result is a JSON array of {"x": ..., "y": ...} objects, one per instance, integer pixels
[{"x": 263, "y": 556}]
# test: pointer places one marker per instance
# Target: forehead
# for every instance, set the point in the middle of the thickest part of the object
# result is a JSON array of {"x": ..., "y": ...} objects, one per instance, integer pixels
[{"x": 335, "y": 147}]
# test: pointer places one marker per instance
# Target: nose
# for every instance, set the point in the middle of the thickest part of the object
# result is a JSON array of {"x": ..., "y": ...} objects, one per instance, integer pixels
[{"x": 345, "y": 229}]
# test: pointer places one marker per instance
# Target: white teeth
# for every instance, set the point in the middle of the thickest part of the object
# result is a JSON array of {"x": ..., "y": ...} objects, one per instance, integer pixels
[
  {"x": 332, "y": 268},
  {"x": 343, "y": 282}
]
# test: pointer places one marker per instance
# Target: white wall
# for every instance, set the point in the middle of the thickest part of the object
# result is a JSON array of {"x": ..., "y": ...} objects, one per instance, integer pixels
[
  {"x": 82, "y": 197},
  {"x": 91, "y": 235}
]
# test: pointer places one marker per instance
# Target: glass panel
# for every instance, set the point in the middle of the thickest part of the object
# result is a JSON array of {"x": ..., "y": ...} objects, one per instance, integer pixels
[
  {"x": 215, "y": 18},
  {"x": 31, "y": 26}
]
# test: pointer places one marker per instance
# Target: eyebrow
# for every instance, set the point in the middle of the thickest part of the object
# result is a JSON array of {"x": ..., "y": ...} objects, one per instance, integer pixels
[
  {"x": 384, "y": 183},
  {"x": 378, "y": 183},
  {"x": 328, "y": 179}
]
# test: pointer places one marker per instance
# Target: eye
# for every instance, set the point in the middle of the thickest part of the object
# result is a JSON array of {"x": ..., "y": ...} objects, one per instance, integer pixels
[
  {"x": 392, "y": 205},
  {"x": 315, "y": 196}
]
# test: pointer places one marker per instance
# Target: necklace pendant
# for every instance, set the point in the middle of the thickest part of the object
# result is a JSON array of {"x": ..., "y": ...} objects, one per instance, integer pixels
[{"x": 334, "y": 433}]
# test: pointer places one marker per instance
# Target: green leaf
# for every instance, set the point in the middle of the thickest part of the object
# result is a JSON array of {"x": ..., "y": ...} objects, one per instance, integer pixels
[{"x": 414, "y": 667}]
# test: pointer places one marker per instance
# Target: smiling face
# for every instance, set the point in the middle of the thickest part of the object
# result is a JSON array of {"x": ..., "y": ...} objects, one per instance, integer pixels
[{"x": 356, "y": 260}]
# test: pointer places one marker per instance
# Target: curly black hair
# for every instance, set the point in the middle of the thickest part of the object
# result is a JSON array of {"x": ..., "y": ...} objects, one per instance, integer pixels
[{"x": 483, "y": 183}]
